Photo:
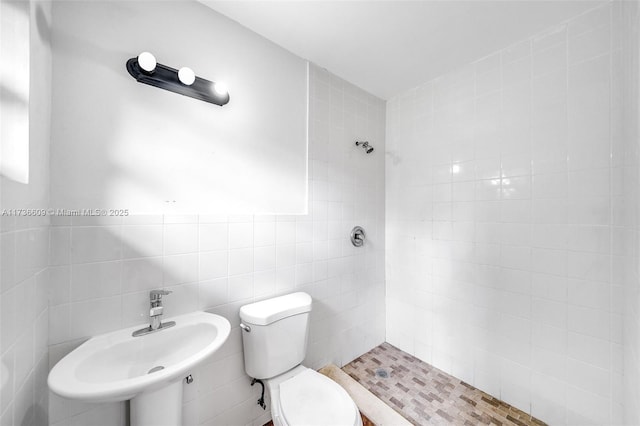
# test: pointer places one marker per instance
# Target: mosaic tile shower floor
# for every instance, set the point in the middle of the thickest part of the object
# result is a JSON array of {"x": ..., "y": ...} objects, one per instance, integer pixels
[{"x": 425, "y": 395}]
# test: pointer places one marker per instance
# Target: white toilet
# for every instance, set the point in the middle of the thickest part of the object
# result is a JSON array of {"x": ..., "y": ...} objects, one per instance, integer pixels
[{"x": 275, "y": 343}]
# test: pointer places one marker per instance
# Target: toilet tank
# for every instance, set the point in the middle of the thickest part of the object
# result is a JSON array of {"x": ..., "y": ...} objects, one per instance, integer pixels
[{"x": 274, "y": 334}]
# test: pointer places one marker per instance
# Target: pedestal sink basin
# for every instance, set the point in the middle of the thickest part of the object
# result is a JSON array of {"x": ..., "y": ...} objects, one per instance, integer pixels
[{"x": 147, "y": 369}]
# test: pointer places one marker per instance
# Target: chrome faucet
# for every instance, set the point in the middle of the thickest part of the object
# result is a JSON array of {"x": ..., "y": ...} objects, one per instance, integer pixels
[
  {"x": 155, "y": 314},
  {"x": 156, "y": 311}
]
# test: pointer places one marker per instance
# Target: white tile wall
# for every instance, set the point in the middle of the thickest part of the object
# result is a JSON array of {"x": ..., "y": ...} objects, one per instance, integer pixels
[
  {"x": 24, "y": 243},
  {"x": 102, "y": 272},
  {"x": 625, "y": 209},
  {"x": 23, "y": 319},
  {"x": 502, "y": 235}
]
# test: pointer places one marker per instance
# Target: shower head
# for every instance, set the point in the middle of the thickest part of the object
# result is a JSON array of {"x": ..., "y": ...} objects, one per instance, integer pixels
[{"x": 367, "y": 148}]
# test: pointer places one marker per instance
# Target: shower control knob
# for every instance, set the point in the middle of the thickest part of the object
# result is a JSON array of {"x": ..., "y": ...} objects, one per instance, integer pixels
[{"x": 357, "y": 236}]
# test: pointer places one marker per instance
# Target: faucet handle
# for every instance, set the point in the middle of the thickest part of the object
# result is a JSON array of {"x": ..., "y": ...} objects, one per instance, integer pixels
[{"x": 157, "y": 294}]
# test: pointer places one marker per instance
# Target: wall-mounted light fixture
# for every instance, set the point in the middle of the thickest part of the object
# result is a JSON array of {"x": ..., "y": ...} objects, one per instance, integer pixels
[{"x": 145, "y": 69}]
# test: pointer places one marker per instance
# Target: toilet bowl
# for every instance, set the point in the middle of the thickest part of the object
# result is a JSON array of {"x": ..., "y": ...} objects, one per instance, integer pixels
[
  {"x": 303, "y": 396},
  {"x": 274, "y": 337}
]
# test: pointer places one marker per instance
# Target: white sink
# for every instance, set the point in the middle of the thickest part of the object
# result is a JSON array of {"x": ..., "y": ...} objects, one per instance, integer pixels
[{"x": 117, "y": 367}]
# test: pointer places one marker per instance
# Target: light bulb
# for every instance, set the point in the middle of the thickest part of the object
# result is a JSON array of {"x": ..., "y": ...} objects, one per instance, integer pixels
[
  {"x": 186, "y": 76},
  {"x": 147, "y": 62},
  {"x": 220, "y": 88}
]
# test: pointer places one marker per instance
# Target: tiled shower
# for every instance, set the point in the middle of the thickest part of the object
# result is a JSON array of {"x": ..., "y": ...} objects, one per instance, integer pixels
[
  {"x": 501, "y": 212},
  {"x": 507, "y": 231}
]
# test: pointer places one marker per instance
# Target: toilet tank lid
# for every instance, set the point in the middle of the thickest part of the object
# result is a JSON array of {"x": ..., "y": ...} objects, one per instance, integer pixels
[{"x": 271, "y": 310}]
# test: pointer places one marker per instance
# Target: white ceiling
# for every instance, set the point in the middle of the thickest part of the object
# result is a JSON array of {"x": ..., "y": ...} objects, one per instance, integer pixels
[{"x": 386, "y": 47}]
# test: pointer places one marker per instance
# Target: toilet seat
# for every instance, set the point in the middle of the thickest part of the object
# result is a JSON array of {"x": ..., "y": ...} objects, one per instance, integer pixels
[{"x": 312, "y": 399}]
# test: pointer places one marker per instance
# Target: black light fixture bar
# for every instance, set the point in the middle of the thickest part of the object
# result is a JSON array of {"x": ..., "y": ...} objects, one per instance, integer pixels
[{"x": 166, "y": 78}]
